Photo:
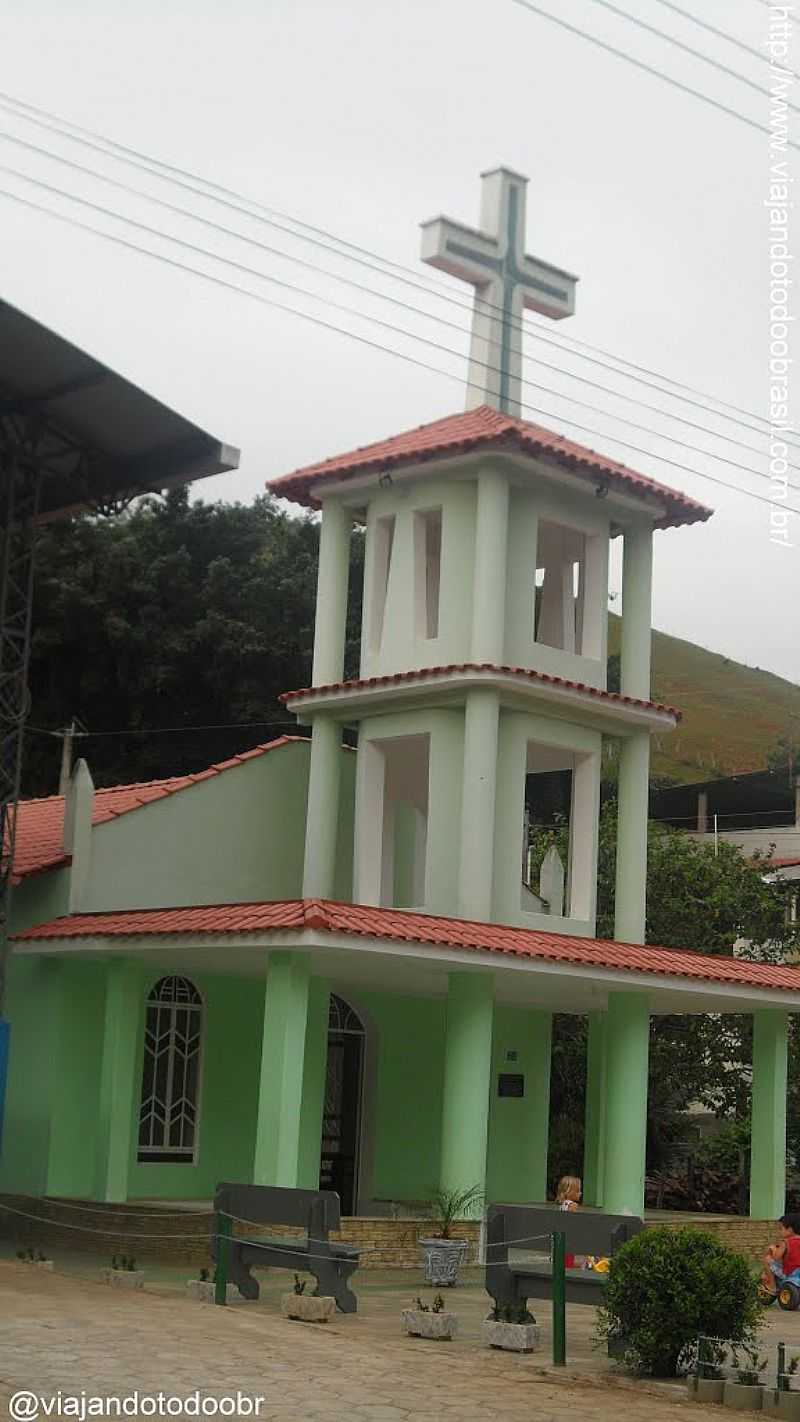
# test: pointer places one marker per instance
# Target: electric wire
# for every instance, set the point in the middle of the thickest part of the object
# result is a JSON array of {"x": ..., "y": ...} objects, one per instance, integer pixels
[
  {"x": 720, "y": 34},
  {"x": 687, "y": 48},
  {"x": 407, "y": 306},
  {"x": 647, "y": 68},
  {"x": 375, "y": 345},
  {"x": 362, "y": 315},
  {"x": 437, "y": 289}
]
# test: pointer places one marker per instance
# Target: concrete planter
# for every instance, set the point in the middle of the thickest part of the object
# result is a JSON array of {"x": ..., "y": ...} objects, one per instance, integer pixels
[
  {"x": 308, "y": 1308},
  {"x": 779, "y": 1403},
  {"x": 513, "y": 1337},
  {"x": 123, "y": 1278},
  {"x": 441, "y": 1259},
  {"x": 743, "y": 1397},
  {"x": 705, "y": 1389},
  {"x": 203, "y": 1289},
  {"x": 418, "y": 1324}
]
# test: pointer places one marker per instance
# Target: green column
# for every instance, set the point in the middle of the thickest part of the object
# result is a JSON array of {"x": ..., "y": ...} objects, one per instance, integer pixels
[
  {"x": 322, "y": 814},
  {"x": 280, "y": 1094},
  {"x": 489, "y": 567},
  {"x": 768, "y": 1143},
  {"x": 120, "y": 1083},
  {"x": 76, "y": 992},
  {"x": 595, "y": 1120},
  {"x": 467, "y": 1076},
  {"x": 479, "y": 788},
  {"x": 519, "y": 1125},
  {"x": 627, "y": 1053},
  {"x": 315, "y": 1069},
  {"x": 636, "y": 635},
  {"x": 333, "y": 570},
  {"x": 632, "y": 798}
]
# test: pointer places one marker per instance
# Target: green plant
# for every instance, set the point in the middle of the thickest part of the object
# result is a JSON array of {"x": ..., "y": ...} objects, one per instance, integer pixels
[
  {"x": 748, "y": 1373},
  {"x": 788, "y": 1371},
  {"x": 420, "y": 1306},
  {"x": 130, "y": 1265},
  {"x": 299, "y": 1284},
  {"x": 665, "y": 1288},
  {"x": 435, "y": 1307},
  {"x": 517, "y": 1312},
  {"x": 445, "y": 1206},
  {"x": 438, "y": 1304},
  {"x": 710, "y": 1358},
  {"x": 203, "y": 1276}
]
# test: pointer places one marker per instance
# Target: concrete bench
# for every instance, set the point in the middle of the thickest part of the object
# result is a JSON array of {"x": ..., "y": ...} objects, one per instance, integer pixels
[
  {"x": 514, "y": 1273},
  {"x": 315, "y": 1212}
]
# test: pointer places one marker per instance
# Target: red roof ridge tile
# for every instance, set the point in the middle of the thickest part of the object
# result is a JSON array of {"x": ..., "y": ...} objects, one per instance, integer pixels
[
  {"x": 467, "y": 431},
  {"x": 387, "y": 678}
]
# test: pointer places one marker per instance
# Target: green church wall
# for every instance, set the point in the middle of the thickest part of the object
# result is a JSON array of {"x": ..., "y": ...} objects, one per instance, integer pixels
[{"x": 258, "y": 856}]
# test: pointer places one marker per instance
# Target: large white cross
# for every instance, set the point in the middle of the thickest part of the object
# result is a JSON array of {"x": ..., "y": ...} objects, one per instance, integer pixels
[{"x": 505, "y": 281}]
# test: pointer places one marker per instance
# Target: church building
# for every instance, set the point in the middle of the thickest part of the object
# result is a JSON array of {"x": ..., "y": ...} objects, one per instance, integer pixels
[{"x": 314, "y": 964}]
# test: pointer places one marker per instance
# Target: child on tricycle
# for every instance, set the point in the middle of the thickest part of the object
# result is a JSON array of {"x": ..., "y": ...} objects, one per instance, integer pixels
[{"x": 781, "y": 1277}]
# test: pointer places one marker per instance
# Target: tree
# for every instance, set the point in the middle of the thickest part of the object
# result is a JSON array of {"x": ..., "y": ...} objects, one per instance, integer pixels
[
  {"x": 175, "y": 614},
  {"x": 707, "y": 902}
]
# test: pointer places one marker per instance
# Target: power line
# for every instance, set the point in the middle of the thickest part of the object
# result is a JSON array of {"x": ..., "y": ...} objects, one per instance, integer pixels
[
  {"x": 151, "y": 165},
  {"x": 375, "y": 345},
  {"x": 168, "y": 730},
  {"x": 647, "y": 68},
  {"x": 687, "y": 48},
  {"x": 721, "y": 34},
  {"x": 231, "y": 232}
]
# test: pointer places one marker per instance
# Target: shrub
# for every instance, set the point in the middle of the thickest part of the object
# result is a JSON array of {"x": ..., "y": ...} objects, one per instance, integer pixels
[{"x": 665, "y": 1287}]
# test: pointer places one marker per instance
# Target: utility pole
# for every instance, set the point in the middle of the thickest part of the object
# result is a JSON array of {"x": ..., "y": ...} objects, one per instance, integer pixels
[{"x": 67, "y": 746}]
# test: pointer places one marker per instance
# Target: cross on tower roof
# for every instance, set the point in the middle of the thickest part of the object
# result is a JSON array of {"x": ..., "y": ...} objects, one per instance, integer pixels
[{"x": 505, "y": 281}]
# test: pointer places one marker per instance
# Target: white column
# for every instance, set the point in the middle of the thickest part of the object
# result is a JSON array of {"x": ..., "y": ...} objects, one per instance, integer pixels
[
  {"x": 632, "y": 792},
  {"x": 322, "y": 820},
  {"x": 637, "y": 579},
  {"x": 332, "y": 579},
  {"x": 489, "y": 572},
  {"x": 478, "y": 795}
]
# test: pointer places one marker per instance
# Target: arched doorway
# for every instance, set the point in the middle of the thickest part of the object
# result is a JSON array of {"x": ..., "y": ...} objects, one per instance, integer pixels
[{"x": 341, "y": 1120}]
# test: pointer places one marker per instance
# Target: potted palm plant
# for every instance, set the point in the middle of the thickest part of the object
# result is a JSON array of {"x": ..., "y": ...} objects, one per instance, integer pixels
[
  {"x": 204, "y": 1288},
  {"x": 441, "y": 1253},
  {"x": 123, "y": 1273}
]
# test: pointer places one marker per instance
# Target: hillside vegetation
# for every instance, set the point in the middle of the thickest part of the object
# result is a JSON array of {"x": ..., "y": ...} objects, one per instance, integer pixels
[{"x": 732, "y": 714}]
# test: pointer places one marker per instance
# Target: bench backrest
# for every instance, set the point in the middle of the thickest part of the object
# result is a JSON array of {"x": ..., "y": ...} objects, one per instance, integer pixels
[
  {"x": 272, "y": 1204},
  {"x": 587, "y": 1231}
]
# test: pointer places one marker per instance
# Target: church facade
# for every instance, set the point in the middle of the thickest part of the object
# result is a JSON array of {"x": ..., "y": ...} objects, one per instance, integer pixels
[{"x": 316, "y": 964}]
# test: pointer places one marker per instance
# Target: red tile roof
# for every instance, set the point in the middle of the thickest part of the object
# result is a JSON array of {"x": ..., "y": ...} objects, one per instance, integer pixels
[
  {"x": 481, "y": 429},
  {"x": 399, "y": 925},
  {"x": 525, "y": 672},
  {"x": 40, "y": 823}
]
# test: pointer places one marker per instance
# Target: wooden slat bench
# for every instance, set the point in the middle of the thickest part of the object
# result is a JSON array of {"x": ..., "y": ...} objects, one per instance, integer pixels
[
  {"x": 514, "y": 1273},
  {"x": 315, "y": 1212}
]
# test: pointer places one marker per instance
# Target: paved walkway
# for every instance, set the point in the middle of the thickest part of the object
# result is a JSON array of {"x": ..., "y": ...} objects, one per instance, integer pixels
[{"x": 68, "y": 1333}]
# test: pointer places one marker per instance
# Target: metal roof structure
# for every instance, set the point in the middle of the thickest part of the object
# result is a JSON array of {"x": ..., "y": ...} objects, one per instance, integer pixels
[
  {"x": 98, "y": 438},
  {"x": 74, "y": 436}
]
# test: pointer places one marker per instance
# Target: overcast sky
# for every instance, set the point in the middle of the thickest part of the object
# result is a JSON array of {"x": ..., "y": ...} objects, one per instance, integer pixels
[{"x": 364, "y": 118}]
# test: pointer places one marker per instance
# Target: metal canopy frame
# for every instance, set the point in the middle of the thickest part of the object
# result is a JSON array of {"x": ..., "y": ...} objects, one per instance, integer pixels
[{"x": 74, "y": 436}]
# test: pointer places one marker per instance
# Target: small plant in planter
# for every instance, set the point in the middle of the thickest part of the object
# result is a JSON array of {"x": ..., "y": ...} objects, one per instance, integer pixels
[
  {"x": 30, "y": 1255},
  {"x": 706, "y": 1382},
  {"x": 441, "y": 1253},
  {"x": 511, "y": 1326},
  {"x": 745, "y": 1392},
  {"x": 430, "y": 1320},
  {"x": 204, "y": 1288},
  {"x": 123, "y": 1273},
  {"x": 783, "y": 1400},
  {"x": 307, "y": 1307}
]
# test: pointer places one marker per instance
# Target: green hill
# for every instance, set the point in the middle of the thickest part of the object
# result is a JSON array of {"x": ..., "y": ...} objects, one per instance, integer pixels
[{"x": 732, "y": 714}]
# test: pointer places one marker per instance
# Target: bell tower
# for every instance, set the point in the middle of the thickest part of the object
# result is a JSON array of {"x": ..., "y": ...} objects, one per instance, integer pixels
[{"x": 482, "y": 677}]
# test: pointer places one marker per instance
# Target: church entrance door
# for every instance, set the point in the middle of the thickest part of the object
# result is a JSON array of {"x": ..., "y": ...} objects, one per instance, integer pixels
[{"x": 341, "y": 1121}]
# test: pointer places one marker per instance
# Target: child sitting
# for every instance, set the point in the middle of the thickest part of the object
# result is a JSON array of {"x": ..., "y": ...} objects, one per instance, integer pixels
[
  {"x": 782, "y": 1260},
  {"x": 568, "y": 1197}
]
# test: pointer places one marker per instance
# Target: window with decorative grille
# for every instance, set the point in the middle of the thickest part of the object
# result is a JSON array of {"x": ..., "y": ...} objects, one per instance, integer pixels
[{"x": 171, "y": 1072}]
